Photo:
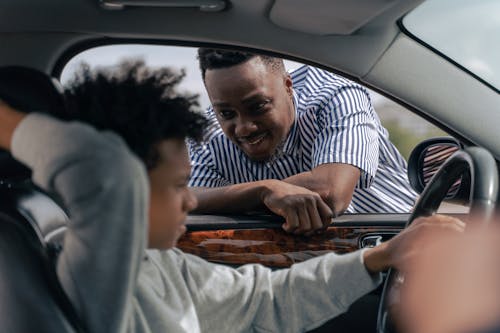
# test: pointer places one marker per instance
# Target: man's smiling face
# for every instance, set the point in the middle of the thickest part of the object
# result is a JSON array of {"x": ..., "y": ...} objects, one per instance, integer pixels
[{"x": 253, "y": 104}]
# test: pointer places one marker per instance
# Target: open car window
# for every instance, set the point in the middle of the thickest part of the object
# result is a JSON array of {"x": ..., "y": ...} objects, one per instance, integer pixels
[{"x": 405, "y": 129}]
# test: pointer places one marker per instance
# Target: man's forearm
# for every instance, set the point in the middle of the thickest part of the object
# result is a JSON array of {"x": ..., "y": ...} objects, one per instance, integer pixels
[
  {"x": 236, "y": 198},
  {"x": 303, "y": 210},
  {"x": 308, "y": 180},
  {"x": 331, "y": 195},
  {"x": 334, "y": 182}
]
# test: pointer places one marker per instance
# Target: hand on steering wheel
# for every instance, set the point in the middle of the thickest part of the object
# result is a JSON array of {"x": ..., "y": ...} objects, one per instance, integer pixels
[{"x": 483, "y": 195}]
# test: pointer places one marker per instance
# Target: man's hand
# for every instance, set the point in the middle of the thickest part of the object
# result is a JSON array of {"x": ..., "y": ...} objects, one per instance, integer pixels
[
  {"x": 334, "y": 182},
  {"x": 403, "y": 249},
  {"x": 9, "y": 119},
  {"x": 304, "y": 211}
]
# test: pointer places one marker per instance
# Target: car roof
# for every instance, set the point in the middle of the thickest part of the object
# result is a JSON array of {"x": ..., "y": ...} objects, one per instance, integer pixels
[
  {"x": 348, "y": 34},
  {"x": 362, "y": 39}
]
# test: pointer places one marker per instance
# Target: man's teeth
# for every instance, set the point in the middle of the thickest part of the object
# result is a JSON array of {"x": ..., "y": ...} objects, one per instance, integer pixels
[{"x": 257, "y": 140}]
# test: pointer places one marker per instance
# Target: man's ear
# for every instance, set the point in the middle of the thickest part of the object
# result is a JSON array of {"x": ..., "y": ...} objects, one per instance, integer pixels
[{"x": 288, "y": 84}]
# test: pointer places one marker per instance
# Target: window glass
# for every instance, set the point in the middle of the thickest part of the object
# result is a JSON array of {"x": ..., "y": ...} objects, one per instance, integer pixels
[
  {"x": 465, "y": 31},
  {"x": 405, "y": 129}
]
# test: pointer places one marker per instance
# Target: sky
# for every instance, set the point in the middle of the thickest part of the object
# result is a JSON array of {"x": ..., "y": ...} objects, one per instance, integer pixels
[{"x": 155, "y": 56}]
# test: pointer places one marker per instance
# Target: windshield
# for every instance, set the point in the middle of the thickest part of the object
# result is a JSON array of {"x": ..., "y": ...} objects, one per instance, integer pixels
[{"x": 466, "y": 31}]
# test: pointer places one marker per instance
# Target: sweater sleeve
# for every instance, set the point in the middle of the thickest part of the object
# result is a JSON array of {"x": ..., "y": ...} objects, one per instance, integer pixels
[
  {"x": 104, "y": 188},
  {"x": 255, "y": 298}
]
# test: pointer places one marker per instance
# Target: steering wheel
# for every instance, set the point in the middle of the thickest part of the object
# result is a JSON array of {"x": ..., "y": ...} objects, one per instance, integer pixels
[{"x": 483, "y": 196}]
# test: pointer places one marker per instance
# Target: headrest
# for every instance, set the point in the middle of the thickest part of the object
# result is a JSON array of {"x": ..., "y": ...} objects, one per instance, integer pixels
[{"x": 27, "y": 89}]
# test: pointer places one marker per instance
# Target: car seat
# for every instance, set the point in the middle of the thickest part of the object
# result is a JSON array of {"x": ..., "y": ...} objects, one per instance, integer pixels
[{"x": 31, "y": 225}]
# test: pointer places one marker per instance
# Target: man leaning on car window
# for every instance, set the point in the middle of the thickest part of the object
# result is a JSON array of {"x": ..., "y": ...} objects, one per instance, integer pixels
[{"x": 307, "y": 145}]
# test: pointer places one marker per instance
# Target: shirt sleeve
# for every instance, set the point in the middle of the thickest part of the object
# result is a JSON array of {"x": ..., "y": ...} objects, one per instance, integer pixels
[
  {"x": 105, "y": 190},
  {"x": 204, "y": 173},
  {"x": 255, "y": 298},
  {"x": 348, "y": 133}
]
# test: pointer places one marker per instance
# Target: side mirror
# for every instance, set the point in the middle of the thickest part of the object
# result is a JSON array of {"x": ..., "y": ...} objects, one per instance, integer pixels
[{"x": 426, "y": 159}]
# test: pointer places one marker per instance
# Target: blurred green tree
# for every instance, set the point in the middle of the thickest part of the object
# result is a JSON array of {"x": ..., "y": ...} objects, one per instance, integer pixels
[{"x": 405, "y": 139}]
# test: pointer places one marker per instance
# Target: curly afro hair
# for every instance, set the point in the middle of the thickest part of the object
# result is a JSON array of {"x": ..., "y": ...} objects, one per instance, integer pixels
[
  {"x": 217, "y": 58},
  {"x": 140, "y": 104}
]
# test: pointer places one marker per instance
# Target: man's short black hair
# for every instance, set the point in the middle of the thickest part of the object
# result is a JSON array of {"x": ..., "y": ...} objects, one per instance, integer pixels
[
  {"x": 218, "y": 58},
  {"x": 140, "y": 104}
]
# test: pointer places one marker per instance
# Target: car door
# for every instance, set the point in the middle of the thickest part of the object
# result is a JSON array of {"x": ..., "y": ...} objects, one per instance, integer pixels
[{"x": 242, "y": 239}]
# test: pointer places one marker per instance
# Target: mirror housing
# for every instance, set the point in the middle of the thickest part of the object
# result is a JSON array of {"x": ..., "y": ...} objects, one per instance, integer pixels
[{"x": 426, "y": 159}]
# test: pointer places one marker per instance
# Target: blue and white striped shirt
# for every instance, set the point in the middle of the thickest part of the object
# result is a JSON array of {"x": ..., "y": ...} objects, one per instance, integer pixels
[{"x": 334, "y": 123}]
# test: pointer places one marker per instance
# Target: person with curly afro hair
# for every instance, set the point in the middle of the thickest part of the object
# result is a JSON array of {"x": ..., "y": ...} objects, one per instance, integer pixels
[{"x": 136, "y": 102}]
